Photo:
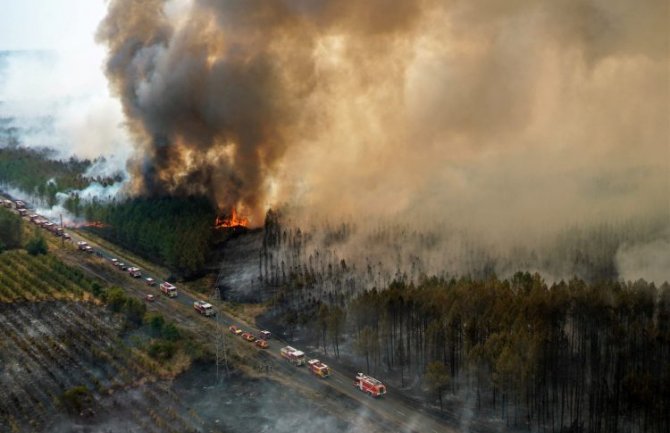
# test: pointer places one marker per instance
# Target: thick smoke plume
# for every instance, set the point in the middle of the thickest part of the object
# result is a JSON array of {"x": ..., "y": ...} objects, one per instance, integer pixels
[{"x": 506, "y": 117}]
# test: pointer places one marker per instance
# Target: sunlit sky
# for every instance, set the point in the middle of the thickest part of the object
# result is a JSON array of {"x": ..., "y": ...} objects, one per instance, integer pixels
[{"x": 49, "y": 24}]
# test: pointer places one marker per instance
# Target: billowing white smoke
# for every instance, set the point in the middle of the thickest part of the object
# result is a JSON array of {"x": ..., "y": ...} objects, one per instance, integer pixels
[{"x": 60, "y": 100}]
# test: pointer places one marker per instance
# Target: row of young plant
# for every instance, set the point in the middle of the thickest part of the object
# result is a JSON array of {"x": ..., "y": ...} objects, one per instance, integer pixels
[{"x": 64, "y": 347}]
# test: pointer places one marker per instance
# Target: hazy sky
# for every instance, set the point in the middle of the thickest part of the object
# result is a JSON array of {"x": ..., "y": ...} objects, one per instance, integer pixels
[
  {"x": 49, "y": 24},
  {"x": 86, "y": 119}
]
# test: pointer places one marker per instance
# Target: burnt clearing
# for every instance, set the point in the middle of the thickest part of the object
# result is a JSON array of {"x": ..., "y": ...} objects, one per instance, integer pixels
[{"x": 52, "y": 347}]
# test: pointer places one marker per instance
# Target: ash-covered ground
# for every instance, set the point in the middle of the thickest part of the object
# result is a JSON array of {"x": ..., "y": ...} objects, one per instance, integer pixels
[
  {"x": 52, "y": 347},
  {"x": 240, "y": 404},
  {"x": 238, "y": 273}
]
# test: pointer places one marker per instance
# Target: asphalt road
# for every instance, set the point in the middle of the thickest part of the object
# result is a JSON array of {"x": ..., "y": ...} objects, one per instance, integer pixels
[{"x": 393, "y": 411}]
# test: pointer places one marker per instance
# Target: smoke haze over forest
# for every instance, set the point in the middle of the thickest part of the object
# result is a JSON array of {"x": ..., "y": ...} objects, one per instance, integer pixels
[
  {"x": 516, "y": 117},
  {"x": 512, "y": 123}
]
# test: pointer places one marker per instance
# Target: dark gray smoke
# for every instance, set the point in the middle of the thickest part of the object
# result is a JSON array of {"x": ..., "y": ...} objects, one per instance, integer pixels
[
  {"x": 500, "y": 116},
  {"x": 213, "y": 89}
]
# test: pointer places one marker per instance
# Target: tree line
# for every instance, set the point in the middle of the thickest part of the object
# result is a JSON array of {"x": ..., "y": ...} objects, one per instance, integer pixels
[
  {"x": 12, "y": 235},
  {"x": 11, "y": 230},
  {"x": 566, "y": 357},
  {"x": 173, "y": 231},
  {"x": 41, "y": 174}
]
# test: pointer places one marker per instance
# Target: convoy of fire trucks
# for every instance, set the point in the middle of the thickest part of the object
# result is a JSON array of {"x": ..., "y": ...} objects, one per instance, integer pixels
[{"x": 364, "y": 383}]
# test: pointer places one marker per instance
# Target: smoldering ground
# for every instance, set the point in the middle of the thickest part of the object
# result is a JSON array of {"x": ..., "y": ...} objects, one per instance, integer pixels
[{"x": 240, "y": 404}]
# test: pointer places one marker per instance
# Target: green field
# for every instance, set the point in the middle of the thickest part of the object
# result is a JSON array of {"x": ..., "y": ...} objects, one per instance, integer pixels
[{"x": 37, "y": 278}]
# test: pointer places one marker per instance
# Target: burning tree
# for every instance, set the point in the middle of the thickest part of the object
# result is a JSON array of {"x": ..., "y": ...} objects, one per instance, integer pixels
[{"x": 232, "y": 221}]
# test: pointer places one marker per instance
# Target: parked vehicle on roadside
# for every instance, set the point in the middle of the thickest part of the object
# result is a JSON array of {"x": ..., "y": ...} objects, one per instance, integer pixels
[
  {"x": 318, "y": 368},
  {"x": 292, "y": 355},
  {"x": 204, "y": 308},
  {"x": 168, "y": 290},
  {"x": 369, "y": 385}
]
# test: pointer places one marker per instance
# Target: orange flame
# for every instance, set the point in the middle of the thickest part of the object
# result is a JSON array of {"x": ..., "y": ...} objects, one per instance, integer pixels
[
  {"x": 234, "y": 220},
  {"x": 96, "y": 224}
]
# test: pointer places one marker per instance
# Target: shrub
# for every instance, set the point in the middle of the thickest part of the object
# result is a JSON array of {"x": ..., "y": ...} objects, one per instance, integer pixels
[
  {"x": 10, "y": 230},
  {"x": 96, "y": 289},
  {"x": 135, "y": 311},
  {"x": 37, "y": 245},
  {"x": 75, "y": 399},
  {"x": 115, "y": 298},
  {"x": 156, "y": 322},
  {"x": 162, "y": 350},
  {"x": 171, "y": 332}
]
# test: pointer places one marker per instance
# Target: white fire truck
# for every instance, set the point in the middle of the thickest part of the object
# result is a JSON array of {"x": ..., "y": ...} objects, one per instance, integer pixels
[
  {"x": 204, "y": 308},
  {"x": 169, "y": 290},
  {"x": 292, "y": 355},
  {"x": 318, "y": 368},
  {"x": 369, "y": 385},
  {"x": 135, "y": 272}
]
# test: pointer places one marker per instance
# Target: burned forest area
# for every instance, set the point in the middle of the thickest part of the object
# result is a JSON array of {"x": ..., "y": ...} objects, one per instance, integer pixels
[{"x": 334, "y": 216}]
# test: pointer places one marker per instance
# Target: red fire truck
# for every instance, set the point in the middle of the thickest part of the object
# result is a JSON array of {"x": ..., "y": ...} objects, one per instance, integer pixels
[
  {"x": 169, "y": 290},
  {"x": 318, "y": 368},
  {"x": 294, "y": 356},
  {"x": 204, "y": 308},
  {"x": 369, "y": 385}
]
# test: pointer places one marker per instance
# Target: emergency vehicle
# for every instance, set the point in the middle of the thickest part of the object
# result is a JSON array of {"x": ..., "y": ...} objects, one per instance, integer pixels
[
  {"x": 169, "y": 290},
  {"x": 369, "y": 385},
  {"x": 292, "y": 355},
  {"x": 318, "y": 368}
]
